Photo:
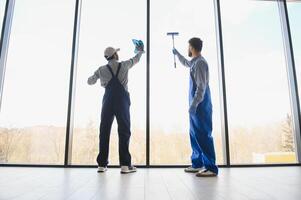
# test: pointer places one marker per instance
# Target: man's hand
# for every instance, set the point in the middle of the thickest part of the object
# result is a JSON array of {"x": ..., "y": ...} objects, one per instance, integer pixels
[
  {"x": 139, "y": 46},
  {"x": 192, "y": 109},
  {"x": 175, "y": 51}
]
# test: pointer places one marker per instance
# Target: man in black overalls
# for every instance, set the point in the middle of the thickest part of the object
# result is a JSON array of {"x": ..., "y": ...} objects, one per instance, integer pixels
[{"x": 116, "y": 103}]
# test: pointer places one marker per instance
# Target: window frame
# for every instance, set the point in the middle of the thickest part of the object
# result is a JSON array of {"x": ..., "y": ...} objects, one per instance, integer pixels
[{"x": 290, "y": 62}]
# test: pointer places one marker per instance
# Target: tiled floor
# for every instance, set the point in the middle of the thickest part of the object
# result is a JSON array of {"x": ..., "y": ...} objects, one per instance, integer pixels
[{"x": 154, "y": 184}]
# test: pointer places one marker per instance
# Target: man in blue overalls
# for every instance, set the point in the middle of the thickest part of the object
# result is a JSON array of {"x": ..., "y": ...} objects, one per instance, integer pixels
[
  {"x": 116, "y": 103},
  {"x": 200, "y": 111}
]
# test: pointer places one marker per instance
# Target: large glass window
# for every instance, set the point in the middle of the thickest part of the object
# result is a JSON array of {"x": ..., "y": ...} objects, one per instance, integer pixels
[
  {"x": 36, "y": 85},
  {"x": 294, "y": 9},
  {"x": 35, "y": 94},
  {"x": 108, "y": 23},
  {"x": 260, "y": 121},
  {"x": 169, "y": 86}
]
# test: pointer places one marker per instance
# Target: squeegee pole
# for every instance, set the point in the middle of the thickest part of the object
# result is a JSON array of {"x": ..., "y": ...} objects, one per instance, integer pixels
[{"x": 174, "y": 56}]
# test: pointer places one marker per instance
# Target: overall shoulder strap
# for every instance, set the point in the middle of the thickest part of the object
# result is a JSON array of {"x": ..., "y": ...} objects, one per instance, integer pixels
[
  {"x": 110, "y": 69},
  {"x": 119, "y": 66},
  {"x": 192, "y": 77}
]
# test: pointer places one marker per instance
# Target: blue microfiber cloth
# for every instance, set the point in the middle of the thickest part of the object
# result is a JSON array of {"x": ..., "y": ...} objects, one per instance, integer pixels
[{"x": 139, "y": 46}]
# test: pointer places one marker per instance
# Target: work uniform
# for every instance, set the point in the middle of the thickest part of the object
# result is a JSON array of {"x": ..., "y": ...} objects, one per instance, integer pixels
[
  {"x": 202, "y": 144},
  {"x": 116, "y": 103}
]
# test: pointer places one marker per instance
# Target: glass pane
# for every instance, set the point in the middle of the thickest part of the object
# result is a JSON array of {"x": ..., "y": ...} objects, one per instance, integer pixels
[
  {"x": 35, "y": 95},
  {"x": 259, "y": 111},
  {"x": 294, "y": 9},
  {"x": 100, "y": 29},
  {"x": 169, "y": 86}
]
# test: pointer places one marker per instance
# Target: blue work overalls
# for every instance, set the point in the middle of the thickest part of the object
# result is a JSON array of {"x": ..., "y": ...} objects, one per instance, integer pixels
[
  {"x": 116, "y": 102},
  {"x": 203, "y": 153}
]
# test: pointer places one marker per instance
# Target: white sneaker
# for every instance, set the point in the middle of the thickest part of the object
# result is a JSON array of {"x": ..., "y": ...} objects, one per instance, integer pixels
[
  {"x": 193, "y": 170},
  {"x": 128, "y": 169},
  {"x": 101, "y": 169},
  {"x": 206, "y": 173}
]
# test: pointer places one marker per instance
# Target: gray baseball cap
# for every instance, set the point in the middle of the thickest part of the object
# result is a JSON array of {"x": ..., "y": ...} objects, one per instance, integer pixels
[{"x": 110, "y": 51}]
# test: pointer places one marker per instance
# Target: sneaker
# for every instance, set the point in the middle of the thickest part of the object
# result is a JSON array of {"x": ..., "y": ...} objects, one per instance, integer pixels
[
  {"x": 192, "y": 169},
  {"x": 128, "y": 169},
  {"x": 206, "y": 173},
  {"x": 101, "y": 169}
]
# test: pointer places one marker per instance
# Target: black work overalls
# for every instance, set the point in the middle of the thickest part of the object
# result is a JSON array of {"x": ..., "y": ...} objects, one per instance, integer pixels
[{"x": 116, "y": 102}]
